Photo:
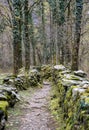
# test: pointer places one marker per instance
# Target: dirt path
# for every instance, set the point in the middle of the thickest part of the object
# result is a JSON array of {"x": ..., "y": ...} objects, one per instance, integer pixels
[{"x": 33, "y": 113}]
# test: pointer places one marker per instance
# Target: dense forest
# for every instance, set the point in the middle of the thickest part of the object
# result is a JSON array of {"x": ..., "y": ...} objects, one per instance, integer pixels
[
  {"x": 34, "y": 33},
  {"x": 44, "y": 53}
]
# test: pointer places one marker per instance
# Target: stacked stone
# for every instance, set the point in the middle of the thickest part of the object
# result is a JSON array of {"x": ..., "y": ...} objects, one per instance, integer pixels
[
  {"x": 8, "y": 98},
  {"x": 9, "y": 90},
  {"x": 23, "y": 80},
  {"x": 46, "y": 71},
  {"x": 73, "y": 97}
]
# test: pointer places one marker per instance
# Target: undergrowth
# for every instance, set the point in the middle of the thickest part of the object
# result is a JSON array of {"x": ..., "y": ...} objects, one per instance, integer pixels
[{"x": 55, "y": 108}]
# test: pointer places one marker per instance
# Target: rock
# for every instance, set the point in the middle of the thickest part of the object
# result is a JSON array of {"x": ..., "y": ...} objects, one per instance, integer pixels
[
  {"x": 21, "y": 76},
  {"x": 2, "y": 120},
  {"x": 9, "y": 80},
  {"x": 46, "y": 71},
  {"x": 9, "y": 94},
  {"x": 7, "y": 88},
  {"x": 69, "y": 83},
  {"x": 85, "y": 86},
  {"x": 6, "y": 80},
  {"x": 84, "y": 103},
  {"x": 32, "y": 81},
  {"x": 59, "y": 67},
  {"x": 66, "y": 72},
  {"x": 76, "y": 91},
  {"x": 3, "y": 107},
  {"x": 73, "y": 77},
  {"x": 85, "y": 82},
  {"x": 34, "y": 78},
  {"x": 71, "y": 89},
  {"x": 80, "y": 73},
  {"x": 16, "y": 95},
  {"x": 3, "y": 97},
  {"x": 19, "y": 83},
  {"x": 33, "y": 71}
]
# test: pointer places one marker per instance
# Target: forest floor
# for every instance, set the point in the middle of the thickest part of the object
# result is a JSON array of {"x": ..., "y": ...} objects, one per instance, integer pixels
[{"x": 32, "y": 113}]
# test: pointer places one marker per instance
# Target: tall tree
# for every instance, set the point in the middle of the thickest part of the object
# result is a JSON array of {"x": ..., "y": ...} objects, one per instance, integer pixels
[
  {"x": 32, "y": 38},
  {"x": 58, "y": 11},
  {"x": 68, "y": 34},
  {"x": 52, "y": 38},
  {"x": 78, "y": 19},
  {"x": 61, "y": 25},
  {"x": 17, "y": 46},
  {"x": 26, "y": 36},
  {"x": 53, "y": 23},
  {"x": 43, "y": 33}
]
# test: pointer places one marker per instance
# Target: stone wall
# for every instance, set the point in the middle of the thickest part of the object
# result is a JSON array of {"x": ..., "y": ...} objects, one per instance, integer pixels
[
  {"x": 71, "y": 95},
  {"x": 9, "y": 88}
]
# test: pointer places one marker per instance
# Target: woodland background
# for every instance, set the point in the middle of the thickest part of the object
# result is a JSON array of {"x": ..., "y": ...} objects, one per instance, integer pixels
[{"x": 51, "y": 27}]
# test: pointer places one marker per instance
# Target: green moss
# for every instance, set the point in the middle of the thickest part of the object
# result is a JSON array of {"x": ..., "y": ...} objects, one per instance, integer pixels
[
  {"x": 69, "y": 127},
  {"x": 87, "y": 100},
  {"x": 3, "y": 106},
  {"x": 73, "y": 77},
  {"x": 54, "y": 104},
  {"x": 46, "y": 71},
  {"x": 74, "y": 116}
]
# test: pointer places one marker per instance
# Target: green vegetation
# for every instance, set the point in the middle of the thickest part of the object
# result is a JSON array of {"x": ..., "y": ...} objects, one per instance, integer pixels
[{"x": 70, "y": 102}]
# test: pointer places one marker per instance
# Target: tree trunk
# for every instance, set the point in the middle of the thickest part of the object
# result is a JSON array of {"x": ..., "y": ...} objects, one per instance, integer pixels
[
  {"x": 75, "y": 50},
  {"x": 26, "y": 36},
  {"x": 17, "y": 46},
  {"x": 52, "y": 39},
  {"x": 68, "y": 36},
  {"x": 31, "y": 31},
  {"x": 43, "y": 34}
]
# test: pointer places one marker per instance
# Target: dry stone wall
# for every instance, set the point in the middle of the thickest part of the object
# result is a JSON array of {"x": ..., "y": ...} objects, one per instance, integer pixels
[
  {"x": 72, "y": 92},
  {"x": 9, "y": 87}
]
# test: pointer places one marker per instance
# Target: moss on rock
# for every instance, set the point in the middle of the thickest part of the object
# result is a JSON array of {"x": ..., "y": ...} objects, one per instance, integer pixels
[{"x": 71, "y": 95}]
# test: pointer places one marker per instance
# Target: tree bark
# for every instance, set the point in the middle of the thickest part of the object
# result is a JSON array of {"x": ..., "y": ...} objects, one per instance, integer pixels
[
  {"x": 31, "y": 31},
  {"x": 43, "y": 34},
  {"x": 75, "y": 50},
  {"x": 26, "y": 36},
  {"x": 17, "y": 46}
]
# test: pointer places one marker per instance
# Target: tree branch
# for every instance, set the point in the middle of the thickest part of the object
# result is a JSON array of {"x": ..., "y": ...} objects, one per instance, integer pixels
[
  {"x": 10, "y": 7},
  {"x": 67, "y": 5},
  {"x": 32, "y": 6}
]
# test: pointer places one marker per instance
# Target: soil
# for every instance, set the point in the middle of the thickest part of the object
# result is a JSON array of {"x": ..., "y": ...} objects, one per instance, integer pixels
[{"x": 32, "y": 113}]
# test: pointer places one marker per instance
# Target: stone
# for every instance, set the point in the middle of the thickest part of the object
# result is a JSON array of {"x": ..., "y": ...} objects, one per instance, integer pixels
[
  {"x": 85, "y": 86},
  {"x": 6, "y": 80},
  {"x": 73, "y": 77},
  {"x": 76, "y": 91},
  {"x": 21, "y": 76},
  {"x": 80, "y": 73},
  {"x": 3, "y": 97},
  {"x": 84, "y": 102},
  {"x": 9, "y": 80},
  {"x": 33, "y": 71},
  {"x": 66, "y": 72},
  {"x": 59, "y": 67},
  {"x": 9, "y": 94},
  {"x": 69, "y": 83},
  {"x": 85, "y": 82}
]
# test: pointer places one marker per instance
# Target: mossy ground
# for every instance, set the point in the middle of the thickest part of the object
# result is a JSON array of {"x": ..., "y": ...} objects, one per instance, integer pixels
[{"x": 55, "y": 109}]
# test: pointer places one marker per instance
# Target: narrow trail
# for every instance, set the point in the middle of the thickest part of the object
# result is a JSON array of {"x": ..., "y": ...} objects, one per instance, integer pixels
[{"x": 35, "y": 114}]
